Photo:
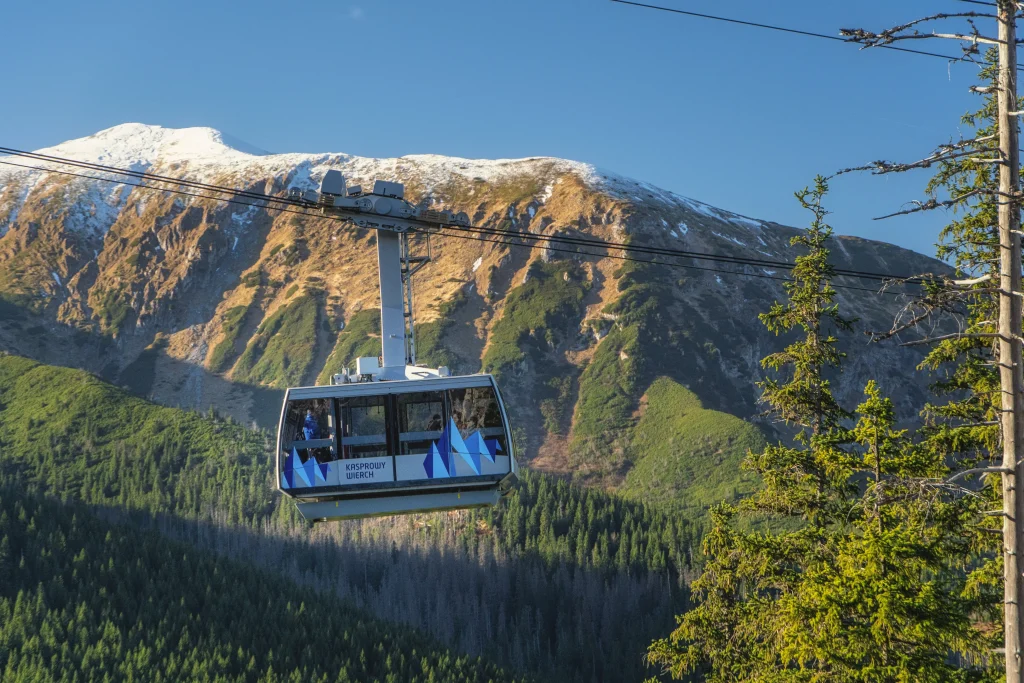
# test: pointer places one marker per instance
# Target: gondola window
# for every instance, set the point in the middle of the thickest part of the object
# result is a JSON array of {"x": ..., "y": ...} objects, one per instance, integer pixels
[
  {"x": 475, "y": 410},
  {"x": 364, "y": 426},
  {"x": 420, "y": 421},
  {"x": 310, "y": 429}
]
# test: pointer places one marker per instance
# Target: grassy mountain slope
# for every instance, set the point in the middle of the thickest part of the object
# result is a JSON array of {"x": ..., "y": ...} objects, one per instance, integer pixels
[
  {"x": 535, "y": 316},
  {"x": 686, "y": 455},
  {"x": 84, "y": 599},
  {"x": 360, "y": 338},
  {"x": 282, "y": 351}
]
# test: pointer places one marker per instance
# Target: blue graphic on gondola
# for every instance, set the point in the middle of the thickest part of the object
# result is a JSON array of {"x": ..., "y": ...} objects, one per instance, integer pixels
[
  {"x": 440, "y": 461},
  {"x": 309, "y": 473}
]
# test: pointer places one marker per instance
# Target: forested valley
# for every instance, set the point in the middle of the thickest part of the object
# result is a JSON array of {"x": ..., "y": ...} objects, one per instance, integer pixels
[
  {"x": 86, "y": 599},
  {"x": 563, "y": 582}
]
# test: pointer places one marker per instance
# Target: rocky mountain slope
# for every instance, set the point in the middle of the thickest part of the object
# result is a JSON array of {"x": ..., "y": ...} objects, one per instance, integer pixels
[{"x": 197, "y": 302}]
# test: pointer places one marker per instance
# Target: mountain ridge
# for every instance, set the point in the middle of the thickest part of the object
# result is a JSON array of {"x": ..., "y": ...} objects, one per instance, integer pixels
[{"x": 141, "y": 147}]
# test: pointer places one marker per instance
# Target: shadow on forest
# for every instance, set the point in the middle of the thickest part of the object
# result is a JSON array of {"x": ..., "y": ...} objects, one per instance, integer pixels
[{"x": 560, "y": 621}]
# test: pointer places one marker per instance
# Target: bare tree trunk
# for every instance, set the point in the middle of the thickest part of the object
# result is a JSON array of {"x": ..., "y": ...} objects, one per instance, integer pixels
[{"x": 1011, "y": 374}]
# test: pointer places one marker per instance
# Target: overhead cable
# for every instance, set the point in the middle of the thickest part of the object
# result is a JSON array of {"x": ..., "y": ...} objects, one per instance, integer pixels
[
  {"x": 524, "y": 234},
  {"x": 739, "y": 273},
  {"x": 440, "y": 233},
  {"x": 140, "y": 186},
  {"x": 144, "y": 175},
  {"x": 784, "y": 29}
]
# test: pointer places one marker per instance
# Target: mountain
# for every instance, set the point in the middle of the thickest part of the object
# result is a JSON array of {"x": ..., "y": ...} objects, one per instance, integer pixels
[{"x": 625, "y": 374}]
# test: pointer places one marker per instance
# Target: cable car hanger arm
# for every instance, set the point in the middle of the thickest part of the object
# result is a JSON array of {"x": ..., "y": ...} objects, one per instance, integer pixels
[{"x": 385, "y": 208}]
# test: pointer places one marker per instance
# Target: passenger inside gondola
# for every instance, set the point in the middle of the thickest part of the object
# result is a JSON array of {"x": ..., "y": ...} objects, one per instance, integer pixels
[
  {"x": 309, "y": 430},
  {"x": 476, "y": 410}
]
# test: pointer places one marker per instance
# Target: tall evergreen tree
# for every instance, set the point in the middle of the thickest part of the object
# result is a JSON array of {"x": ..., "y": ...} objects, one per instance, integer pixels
[
  {"x": 962, "y": 422},
  {"x": 838, "y": 567}
]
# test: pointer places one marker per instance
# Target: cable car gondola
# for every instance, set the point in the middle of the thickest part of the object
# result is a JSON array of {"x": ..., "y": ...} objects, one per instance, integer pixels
[{"x": 392, "y": 437}]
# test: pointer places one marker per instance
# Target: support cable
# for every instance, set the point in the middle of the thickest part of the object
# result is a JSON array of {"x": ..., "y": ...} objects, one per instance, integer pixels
[{"x": 563, "y": 239}]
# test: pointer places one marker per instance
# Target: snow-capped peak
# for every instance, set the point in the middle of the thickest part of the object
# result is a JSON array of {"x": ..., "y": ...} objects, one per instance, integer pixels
[
  {"x": 137, "y": 145},
  {"x": 209, "y": 155}
]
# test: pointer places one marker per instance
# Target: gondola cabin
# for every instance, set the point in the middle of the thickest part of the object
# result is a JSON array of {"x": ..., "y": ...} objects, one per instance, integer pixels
[
  {"x": 393, "y": 437},
  {"x": 391, "y": 447}
]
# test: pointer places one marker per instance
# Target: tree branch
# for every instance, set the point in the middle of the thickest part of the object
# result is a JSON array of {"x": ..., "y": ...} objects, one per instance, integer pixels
[
  {"x": 975, "y": 281},
  {"x": 932, "y": 204},
  {"x": 882, "y": 166},
  {"x": 980, "y": 470},
  {"x": 959, "y": 335},
  {"x": 890, "y": 35}
]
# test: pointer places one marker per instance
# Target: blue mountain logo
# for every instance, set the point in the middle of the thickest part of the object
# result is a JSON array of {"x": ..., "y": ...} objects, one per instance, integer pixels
[
  {"x": 440, "y": 461},
  {"x": 309, "y": 473}
]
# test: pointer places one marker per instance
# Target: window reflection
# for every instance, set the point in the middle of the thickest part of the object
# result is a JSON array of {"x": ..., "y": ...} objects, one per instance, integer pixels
[
  {"x": 476, "y": 410},
  {"x": 420, "y": 421},
  {"x": 364, "y": 427}
]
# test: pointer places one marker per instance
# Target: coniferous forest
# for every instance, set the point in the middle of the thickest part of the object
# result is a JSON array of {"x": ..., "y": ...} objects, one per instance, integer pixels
[{"x": 86, "y": 599}]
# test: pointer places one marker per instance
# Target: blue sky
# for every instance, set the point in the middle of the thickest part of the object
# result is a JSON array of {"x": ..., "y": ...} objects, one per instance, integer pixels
[{"x": 734, "y": 116}]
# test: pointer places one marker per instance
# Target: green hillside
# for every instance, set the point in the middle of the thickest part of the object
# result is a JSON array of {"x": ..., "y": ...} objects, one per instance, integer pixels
[
  {"x": 361, "y": 337},
  {"x": 686, "y": 455},
  {"x": 224, "y": 353},
  {"x": 535, "y": 316},
  {"x": 649, "y": 348},
  {"x": 83, "y": 599},
  {"x": 65, "y": 432}
]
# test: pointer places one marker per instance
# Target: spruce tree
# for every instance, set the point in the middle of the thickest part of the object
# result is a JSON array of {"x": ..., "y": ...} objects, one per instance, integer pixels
[
  {"x": 962, "y": 421},
  {"x": 839, "y": 568}
]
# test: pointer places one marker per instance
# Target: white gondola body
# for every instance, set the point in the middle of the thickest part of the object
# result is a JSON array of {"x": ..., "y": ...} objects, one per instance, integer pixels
[{"x": 379, "y": 448}]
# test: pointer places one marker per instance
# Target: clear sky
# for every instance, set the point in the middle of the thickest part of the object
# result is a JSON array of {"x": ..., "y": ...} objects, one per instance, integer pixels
[{"x": 734, "y": 116}]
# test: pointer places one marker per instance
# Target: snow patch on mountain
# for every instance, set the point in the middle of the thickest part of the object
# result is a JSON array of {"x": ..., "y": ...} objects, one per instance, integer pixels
[
  {"x": 718, "y": 214},
  {"x": 212, "y": 156},
  {"x": 244, "y": 217},
  {"x": 745, "y": 222},
  {"x": 93, "y": 209},
  {"x": 545, "y": 195},
  {"x": 138, "y": 147},
  {"x": 727, "y": 237},
  {"x": 14, "y": 207}
]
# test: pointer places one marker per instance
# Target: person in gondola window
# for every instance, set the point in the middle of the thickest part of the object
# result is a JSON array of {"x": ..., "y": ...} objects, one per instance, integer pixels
[{"x": 310, "y": 428}]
